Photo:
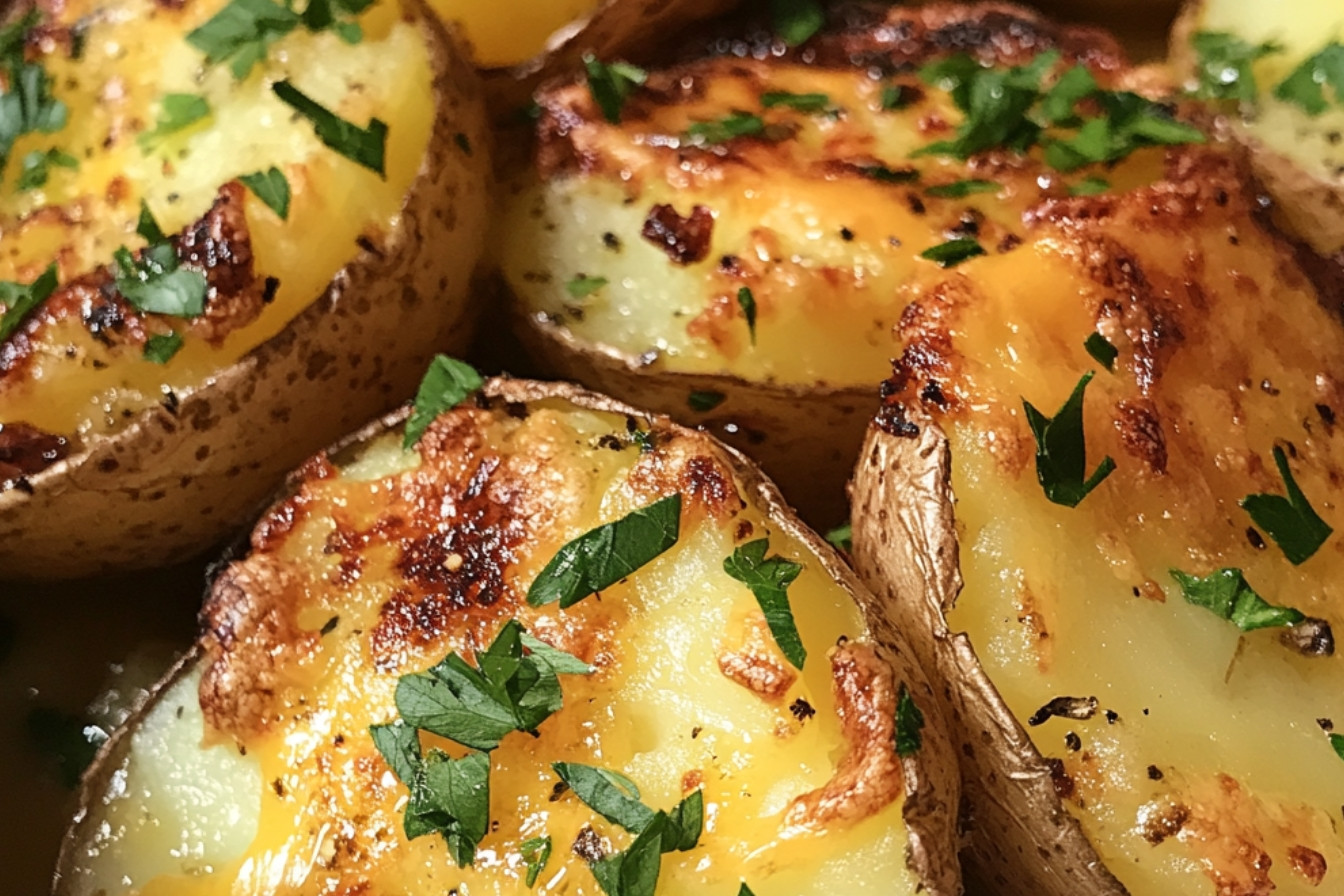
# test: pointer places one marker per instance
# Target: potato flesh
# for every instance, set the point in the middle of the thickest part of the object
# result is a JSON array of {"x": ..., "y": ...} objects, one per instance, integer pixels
[
  {"x": 662, "y": 709},
  {"x": 512, "y": 31},
  {"x": 132, "y": 59},
  {"x": 823, "y": 249},
  {"x": 1215, "y": 751}
]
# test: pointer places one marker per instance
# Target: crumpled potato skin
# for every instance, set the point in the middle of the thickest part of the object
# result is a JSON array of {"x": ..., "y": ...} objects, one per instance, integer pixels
[{"x": 180, "y": 477}]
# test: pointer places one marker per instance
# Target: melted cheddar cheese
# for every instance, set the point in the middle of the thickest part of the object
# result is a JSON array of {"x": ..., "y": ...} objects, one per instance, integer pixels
[
  {"x": 76, "y": 369},
  {"x": 256, "y": 773},
  {"x": 1204, "y": 769}
]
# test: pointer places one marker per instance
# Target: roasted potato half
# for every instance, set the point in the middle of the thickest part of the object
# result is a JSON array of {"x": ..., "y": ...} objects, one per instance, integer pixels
[
  {"x": 727, "y": 242},
  {"x": 795, "y": 748},
  {"x": 1103, "y": 490},
  {"x": 228, "y": 239},
  {"x": 1268, "y": 68}
]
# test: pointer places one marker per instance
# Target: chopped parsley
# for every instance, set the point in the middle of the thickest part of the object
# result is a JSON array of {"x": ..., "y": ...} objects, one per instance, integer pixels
[
  {"x": 610, "y": 794},
  {"x": 514, "y": 687},
  {"x": 1100, "y": 348},
  {"x": 603, "y": 556},
  {"x": 156, "y": 283},
  {"x": 536, "y": 852},
  {"x": 1090, "y": 186},
  {"x": 747, "y": 302},
  {"x": 1061, "y": 450},
  {"x": 449, "y": 797},
  {"x": 1305, "y": 85},
  {"x": 735, "y": 124},
  {"x": 611, "y": 84},
  {"x": 1129, "y": 123},
  {"x": 897, "y": 96},
  {"x": 1225, "y": 593},
  {"x": 889, "y": 175},
  {"x": 1292, "y": 522},
  {"x": 26, "y": 105},
  {"x": 909, "y": 725},
  {"x": 953, "y": 252},
  {"x": 800, "y": 102},
  {"x": 769, "y": 579},
  {"x": 842, "y": 537},
  {"x": 745, "y": 890},
  {"x": 703, "y": 400},
  {"x": 961, "y": 188},
  {"x": 161, "y": 347},
  {"x": 634, "y": 872},
  {"x": 364, "y": 146},
  {"x": 796, "y": 20},
  {"x": 20, "y": 299},
  {"x": 1224, "y": 65},
  {"x": 446, "y": 384},
  {"x": 242, "y": 32},
  {"x": 271, "y": 187},
  {"x": 177, "y": 112},
  {"x": 37, "y": 165},
  {"x": 583, "y": 286},
  {"x": 1337, "y": 744}
]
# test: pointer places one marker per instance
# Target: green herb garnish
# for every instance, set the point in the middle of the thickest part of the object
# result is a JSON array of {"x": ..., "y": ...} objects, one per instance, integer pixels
[
  {"x": 962, "y": 188},
  {"x": 796, "y": 20},
  {"x": 1090, "y": 186},
  {"x": 1305, "y": 85},
  {"x": 1226, "y": 594},
  {"x": 161, "y": 347},
  {"x": 271, "y": 187},
  {"x": 26, "y": 105},
  {"x": 747, "y": 302},
  {"x": 446, "y": 384},
  {"x": 20, "y": 299},
  {"x": 745, "y": 890},
  {"x": 842, "y": 537},
  {"x": 1061, "y": 450},
  {"x": 702, "y": 400},
  {"x": 896, "y": 96},
  {"x": 888, "y": 175},
  {"x": 603, "y": 556},
  {"x": 611, "y": 84},
  {"x": 536, "y": 852},
  {"x": 800, "y": 102},
  {"x": 909, "y": 725},
  {"x": 1292, "y": 522},
  {"x": 156, "y": 283},
  {"x": 735, "y": 124},
  {"x": 953, "y": 252},
  {"x": 364, "y": 146},
  {"x": 177, "y": 112},
  {"x": 769, "y": 579},
  {"x": 1225, "y": 62},
  {"x": 610, "y": 794},
  {"x": 37, "y": 165},
  {"x": 1337, "y": 744},
  {"x": 634, "y": 872},
  {"x": 583, "y": 286},
  {"x": 1101, "y": 350},
  {"x": 242, "y": 32}
]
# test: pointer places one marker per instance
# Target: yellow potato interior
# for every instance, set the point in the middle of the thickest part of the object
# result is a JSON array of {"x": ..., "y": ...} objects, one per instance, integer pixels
[
  {"x": 312, "y": 807},
  {"x": 511, "y": 31}
]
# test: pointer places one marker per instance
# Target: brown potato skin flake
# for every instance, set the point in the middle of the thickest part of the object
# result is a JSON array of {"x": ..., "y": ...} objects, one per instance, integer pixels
[{"x": 25, "y": 450}]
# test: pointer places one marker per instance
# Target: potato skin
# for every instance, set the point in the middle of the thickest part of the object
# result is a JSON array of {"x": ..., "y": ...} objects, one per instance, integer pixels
[
  {"x": 931, "y": 779},
  {"x": 184, "y": 474}
]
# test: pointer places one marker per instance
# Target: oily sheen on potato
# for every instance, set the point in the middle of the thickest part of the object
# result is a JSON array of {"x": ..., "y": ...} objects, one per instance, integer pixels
[
  {"x": 255, "y": 767},
  {"x": 235, "y": 219},
  {"x": 727, "y": 244},
  {"x": 1135, "y": 414}
]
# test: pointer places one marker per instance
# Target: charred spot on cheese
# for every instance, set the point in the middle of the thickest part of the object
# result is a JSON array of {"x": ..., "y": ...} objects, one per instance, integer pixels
[
  {"x": 1077, "y": 708},
  {"x": 25, "y": 450},
  {"x": 685, "y": 240}
]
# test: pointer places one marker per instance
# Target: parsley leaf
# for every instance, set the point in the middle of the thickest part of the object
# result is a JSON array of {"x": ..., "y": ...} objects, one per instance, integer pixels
[
  {"x": 995, "y": 102},
  {"x": 364, "y": 146},
  {"x": 1072, "y": 87},
  {"x": 745, "y": 890},
  {"x": 909, "y": 725},
  {"x": 747, "y": 302},
  {"x": 37, "y": 167},
  {"x": 271, "y": 187},
  {"x": 149, "y": 228},
  {"x": 702, "y": 400},
  {"x": 1101, "y": 350},
  {"x": 155, "y": 282},
  {"x": 796, "y": 20},
  {"x": 800, "y": 102},
  {"x": 611, "y": 795},
  {"x": 1130, "y": 122},
  {"x": 161, "y": 347},
  {"x": 509, "y": 690},
  {"x": 1305, "y": 85},
  {"x": 26, "y": 105},
  {"x": 241, "y": 33},
  {"x": 1226, "y": 594},
  {"x": 962, "y": 188},
  {"x": 177, "y": 112},
  {"x": 769, "y": 579},
  {"x": 1061, "y": 451},
  {"x": 450, "y": 797},
  {"x": 735, "y": 124},
  {"x": 20, "y": 299},
  {"x": 1292, "y": 522},
  {"x": 1224, "y": 67},
  {"x": 1091, "y": 185},
  {"x": 446, "y": 384},
  {"x": 583, "y": 286},
  {"x": 399, "y": 745},
  {"x": 536, "y": 852},
  {"x": 953, "y": 252},
  {"x": 1337, "y": 744},
  {"x": 603, "y": 556},
  {"x": 611, "y": 84},
  {"x": 634, "y": 872},
  {"x": 897, "y": 96},
  {"x": 842, "y": 537}
]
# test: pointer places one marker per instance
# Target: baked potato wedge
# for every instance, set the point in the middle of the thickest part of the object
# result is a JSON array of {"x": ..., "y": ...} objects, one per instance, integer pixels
[
  {"x": 725, "y": 239},
  {"x": 209, "y": 232},
  {"x": 1266, "y": 67},
  {"x": 1103, "y": 490},
  {"x": 795, "y": 749}
]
